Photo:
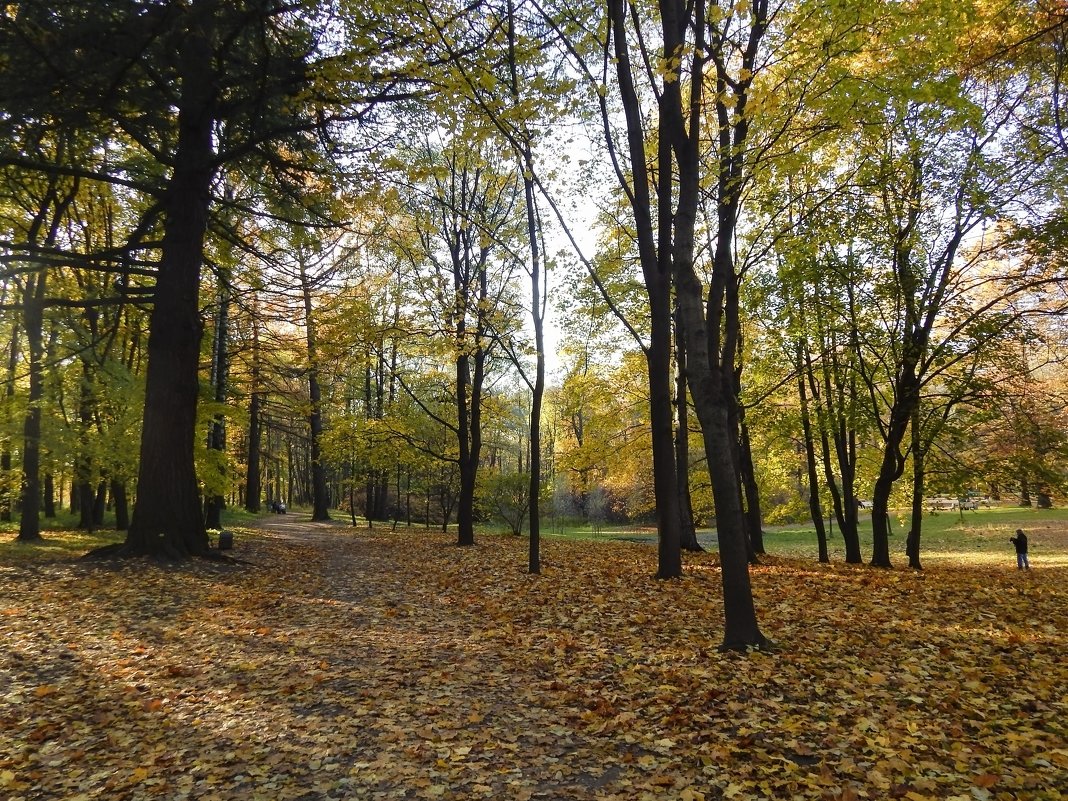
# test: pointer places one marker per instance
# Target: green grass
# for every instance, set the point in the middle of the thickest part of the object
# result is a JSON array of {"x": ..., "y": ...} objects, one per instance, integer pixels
[
  {"x": 982, "y": 534},
  {"x": 63, "y": 540},
  {"x": 57, "y": 543}
]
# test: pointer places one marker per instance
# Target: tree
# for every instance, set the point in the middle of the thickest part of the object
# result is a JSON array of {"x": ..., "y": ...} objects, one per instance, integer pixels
[
  {"x": 461, "y": 211},
  {"x": 664, "y": 239},
  {"x": 192, "y": 89}
]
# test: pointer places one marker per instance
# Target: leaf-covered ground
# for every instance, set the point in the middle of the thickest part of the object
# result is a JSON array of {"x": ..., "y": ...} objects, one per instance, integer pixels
[{"x": 341, "y": 665}]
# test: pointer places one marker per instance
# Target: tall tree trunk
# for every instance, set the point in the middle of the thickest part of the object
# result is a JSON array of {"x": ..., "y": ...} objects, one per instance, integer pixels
[
  {"x": 30, "y": 506},
  {"x": 754, "y": 523},
  {"x": 6, "y": 493},
  {"x": 655, "y": 255},
  {"x": 833, "y": 415},
  {"x": 893, "y": 462},
  {"x": 687, "y": 528},
  {"x": 253, "y": 489},
  {"x": 368, "y": 410},
  {"x": 83, "y": 466},
  {"x": 54, "y": 207},
  {"x": 661, "y": 414},
  {"x": 912, "y": 542},
  {"x": 49, "y": 496},
  {"x": 712, "y": 325},
  {"x": 814, "y": 508},
  {"x": 320, "y": 492},
  {"x": 220, "y": 370},
  {"x": 538, "y": 393},
  {"x": 100, "y": 499},
  {"x": 122, "y": 511},
  {"x": 167, "y": 516},
  {"x": 525, "y": 153}
]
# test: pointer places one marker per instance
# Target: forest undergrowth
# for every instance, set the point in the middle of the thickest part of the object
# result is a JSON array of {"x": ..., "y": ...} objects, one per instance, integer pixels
[{"x": 333, "y": 664}]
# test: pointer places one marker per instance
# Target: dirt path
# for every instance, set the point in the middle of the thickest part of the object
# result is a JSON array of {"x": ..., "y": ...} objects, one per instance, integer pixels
[{"x": 300, "y": 526}]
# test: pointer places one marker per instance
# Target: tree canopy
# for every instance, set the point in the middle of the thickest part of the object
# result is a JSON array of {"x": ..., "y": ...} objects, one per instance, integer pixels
[{"x": 713, "y": 264}]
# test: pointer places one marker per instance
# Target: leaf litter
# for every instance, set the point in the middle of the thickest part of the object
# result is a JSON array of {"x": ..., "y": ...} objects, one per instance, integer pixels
[{"x": 376, "y": 665}]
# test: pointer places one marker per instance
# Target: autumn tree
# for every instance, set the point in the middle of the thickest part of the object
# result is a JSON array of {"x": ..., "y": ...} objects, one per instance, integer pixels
[
  {"x": 193, "y": 89},
  {"x": 461, "y": 208}
]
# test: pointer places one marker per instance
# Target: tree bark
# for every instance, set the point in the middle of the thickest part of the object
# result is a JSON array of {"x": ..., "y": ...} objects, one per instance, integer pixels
[
  {"x": 33, "y": 316},
  {"x": 167, "y": 518},
  {"x": 893, "y": 462},
  {"x": 814, "y": 507},
  {"x": 49, "y": 496},
  {"x": 320, "y": 493},
  {"x": 122, "y": 511},
  {"x": 655, "y": 255},
  {"x": 6, "y": 494},
  {"x": 754, "y": 523},
  {"x": 711, "y": 325},
  {"x": 833, "y": 407},
  {"x": 253, "y": 489},
  {"x": 220, "y": 369},
  {"x": 687, "y": 528},
  {"x": 912, "y": 542}
]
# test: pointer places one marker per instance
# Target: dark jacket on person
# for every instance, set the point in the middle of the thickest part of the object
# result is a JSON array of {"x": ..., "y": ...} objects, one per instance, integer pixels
[{"x": 1020, "y": 541}]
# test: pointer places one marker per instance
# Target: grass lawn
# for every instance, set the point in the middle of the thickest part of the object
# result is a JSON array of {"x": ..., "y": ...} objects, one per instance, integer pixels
[{"x": 977, "y": 536}]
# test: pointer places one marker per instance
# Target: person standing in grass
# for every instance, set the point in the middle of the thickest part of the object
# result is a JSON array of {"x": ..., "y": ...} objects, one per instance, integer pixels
[{"x": 1020, "y": 541}]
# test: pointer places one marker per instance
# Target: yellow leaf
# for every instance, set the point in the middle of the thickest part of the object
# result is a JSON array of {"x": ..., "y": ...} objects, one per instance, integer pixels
[{"x": 45, "y": 690}]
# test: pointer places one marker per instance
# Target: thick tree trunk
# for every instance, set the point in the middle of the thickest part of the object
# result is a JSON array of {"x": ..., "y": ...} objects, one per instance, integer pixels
[
  {"x": 893, "y": 463},
  {"x": 122, "y": 511},
  {"x": 49, "y": 496},
  {"x": 30, "y": 506},
  {"x": 167, "y": 516},
  {"x": 100, "y": 500},
  {"x": 661, "y": 415},
  {"x": 86, "y": 507},
  {"x": 253, "y": 491}
]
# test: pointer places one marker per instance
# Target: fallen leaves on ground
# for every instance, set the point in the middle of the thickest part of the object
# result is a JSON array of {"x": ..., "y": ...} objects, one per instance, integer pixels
[{"x": 364, "y": 665}]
